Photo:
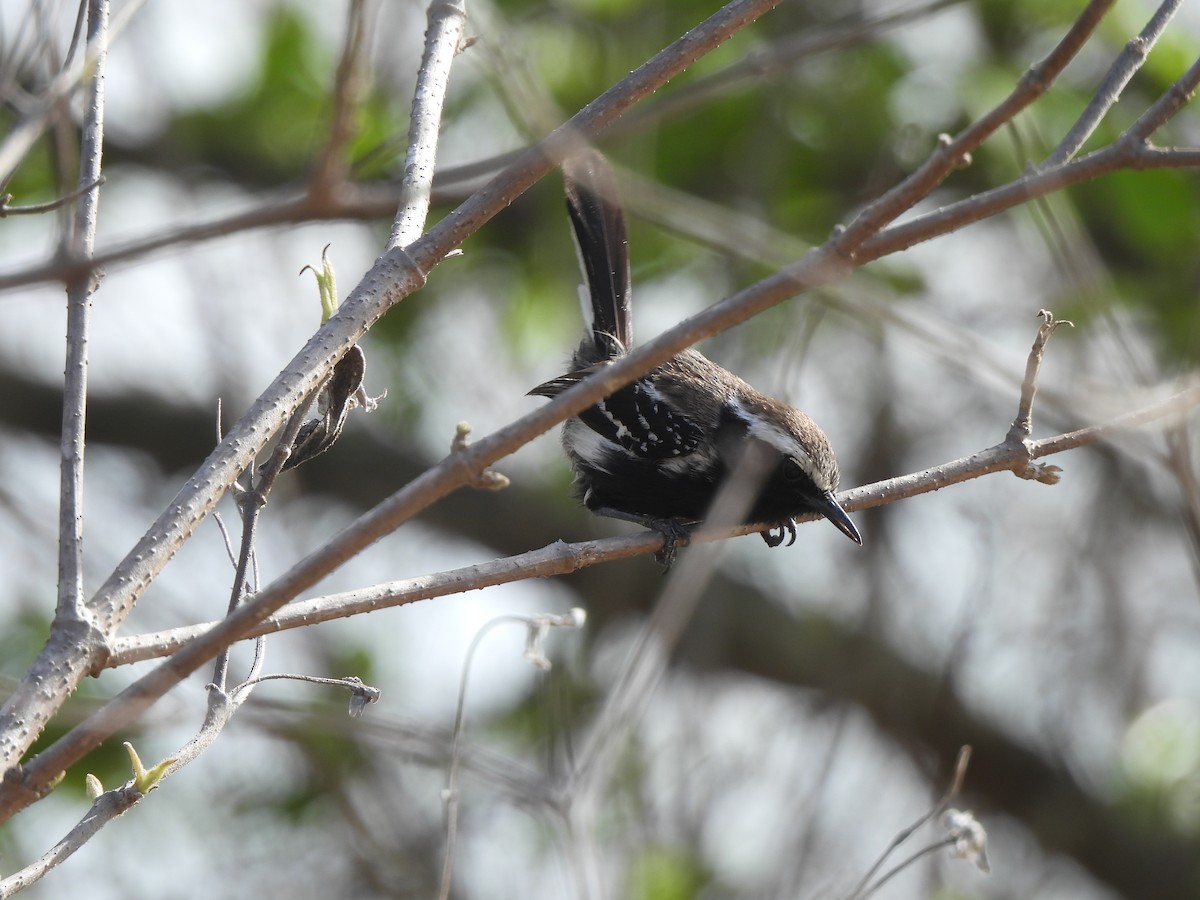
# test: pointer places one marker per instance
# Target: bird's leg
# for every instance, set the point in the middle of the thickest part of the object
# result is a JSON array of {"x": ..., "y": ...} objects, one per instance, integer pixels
[{"x": 672, "y": 530}]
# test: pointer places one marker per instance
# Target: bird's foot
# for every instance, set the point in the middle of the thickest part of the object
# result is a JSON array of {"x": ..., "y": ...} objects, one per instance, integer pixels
[
  {"x": 774, "y": 535},
  {"x": 673, "y": 531}
]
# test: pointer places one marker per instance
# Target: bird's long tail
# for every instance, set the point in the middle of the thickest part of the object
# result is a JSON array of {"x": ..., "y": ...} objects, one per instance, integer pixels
[{"x": 603, "y": 246}]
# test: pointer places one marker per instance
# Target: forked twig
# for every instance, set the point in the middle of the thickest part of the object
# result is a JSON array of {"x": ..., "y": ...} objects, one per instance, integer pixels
[{"x": 956, "y": 783}]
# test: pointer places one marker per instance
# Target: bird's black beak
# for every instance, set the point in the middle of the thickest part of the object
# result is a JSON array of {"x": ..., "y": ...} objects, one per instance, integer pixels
[{"x": 828, "y": 506}]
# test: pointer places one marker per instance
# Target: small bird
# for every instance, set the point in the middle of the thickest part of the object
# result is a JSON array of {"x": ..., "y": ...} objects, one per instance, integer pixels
[{"x": 657, "y": 450}]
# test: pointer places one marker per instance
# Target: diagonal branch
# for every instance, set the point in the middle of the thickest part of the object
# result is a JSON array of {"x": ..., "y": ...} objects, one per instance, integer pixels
[
  {"x": 955, "y": 152},
  {"x": 394, "y": 276},
  {"x": 1122, "y": 70}
]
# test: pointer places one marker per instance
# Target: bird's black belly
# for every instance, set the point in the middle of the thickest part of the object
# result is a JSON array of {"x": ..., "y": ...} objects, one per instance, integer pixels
[
  {"x": 645, "y": 488},
  {"x": 642, "y": 488}
]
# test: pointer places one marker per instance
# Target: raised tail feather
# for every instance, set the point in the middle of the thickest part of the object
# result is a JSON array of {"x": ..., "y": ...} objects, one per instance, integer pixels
[{"x": 603, "y": 247}]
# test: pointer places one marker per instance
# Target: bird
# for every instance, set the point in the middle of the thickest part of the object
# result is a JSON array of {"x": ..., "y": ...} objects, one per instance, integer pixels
[{"x": 657, "y": 450}]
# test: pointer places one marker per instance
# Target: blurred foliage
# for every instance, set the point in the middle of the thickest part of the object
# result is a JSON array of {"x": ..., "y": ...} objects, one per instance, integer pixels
[
  {"x": 800, "y": 147},
  {"x": 664, "y": 873},
  {"x": 272, "y": 130}
]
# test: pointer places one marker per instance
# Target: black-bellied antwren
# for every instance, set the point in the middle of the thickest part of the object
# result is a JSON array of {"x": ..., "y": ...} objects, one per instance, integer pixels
[{"x": 657, "y": 450}]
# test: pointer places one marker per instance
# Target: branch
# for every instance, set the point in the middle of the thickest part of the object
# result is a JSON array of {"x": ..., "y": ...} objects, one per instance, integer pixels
[
  {"x": 395, "y": 275},
  {"x": 953, "y": 153},
  {"x": 79, "y": 243},
  {"x": 1022, "y": 426},
  {"x": 960, "y": 774},
  {"x": 447, "y": 20},
  {"x": 24, "y": 134},
  {"x": 817, "y": 267},
  {"x": 1126, "y": 153},
  {"x": 341, "y": 200},
  {"x": 332, "y": 167},
  {"x": 103, "y": 810},
  {"x": 563, "y": 558},
  {"x": 1122, "y": 70}
]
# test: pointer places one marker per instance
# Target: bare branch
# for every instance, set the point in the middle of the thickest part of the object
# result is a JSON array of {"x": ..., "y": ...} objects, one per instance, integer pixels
[
  {"x": 48, "y": 206},
  {"x": 1126, "y": 153},
  {"x": 394, "y": 276},
  {"x": 80, "y": 241},
  {"x": 1022, "y": 425},
  {"x": 447, "y": 21},
  {"x": 104, "y": 809},
  {"x": 1165, "y": 108},
  {"x": 536, "y": 628},
  {"x": 955, "y": 152},
  {"x": 332, "y": 166},
  {"x": 956, "y": 783},
  {"x": 1122, "y": 70},
  {"x": 563, "y": 558}
]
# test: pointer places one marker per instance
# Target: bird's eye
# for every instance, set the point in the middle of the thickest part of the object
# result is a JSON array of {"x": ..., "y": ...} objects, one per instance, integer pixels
[{"x": 792, "y": 470}]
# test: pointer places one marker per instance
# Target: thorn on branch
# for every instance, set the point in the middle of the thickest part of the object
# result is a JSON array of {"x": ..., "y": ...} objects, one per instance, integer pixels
[
  {"x": 959, "y": 160},
  {"x": 488, "y": 479}
]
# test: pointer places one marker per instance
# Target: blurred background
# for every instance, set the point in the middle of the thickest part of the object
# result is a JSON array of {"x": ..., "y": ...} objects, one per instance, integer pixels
[{"x": 816, "y": 702}]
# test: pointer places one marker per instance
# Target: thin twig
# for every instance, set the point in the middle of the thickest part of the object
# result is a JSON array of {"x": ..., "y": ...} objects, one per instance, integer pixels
[
  {"x": 536, "y": 626},
  {"x": 48, "y": 206},
  {"x": 955, "y": 788},
  {"x": 450, "y": 792},
  {"x": 902, "y": 865},
  {"x": 103, "y": 810},
  {"x": 1126, "y": 153},
  {"x": 1131, "y": 58},
  {"x": 955, "y": 152},
  {"x": 1022, "y": 426},
  {"x": 79, "y": 243},
  {"x": 1166, "y": 106},
  {"x": 251, "y": 501},
  {"x": 361, "y": 693},
  {"x": 443, "y": 38},
  {"x": 332, "y": 166}
]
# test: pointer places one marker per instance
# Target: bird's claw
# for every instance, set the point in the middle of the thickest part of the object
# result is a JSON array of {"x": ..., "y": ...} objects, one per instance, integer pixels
[
  {"x": 673, "y": 531},
  {"x": 773, "y": 536}
]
